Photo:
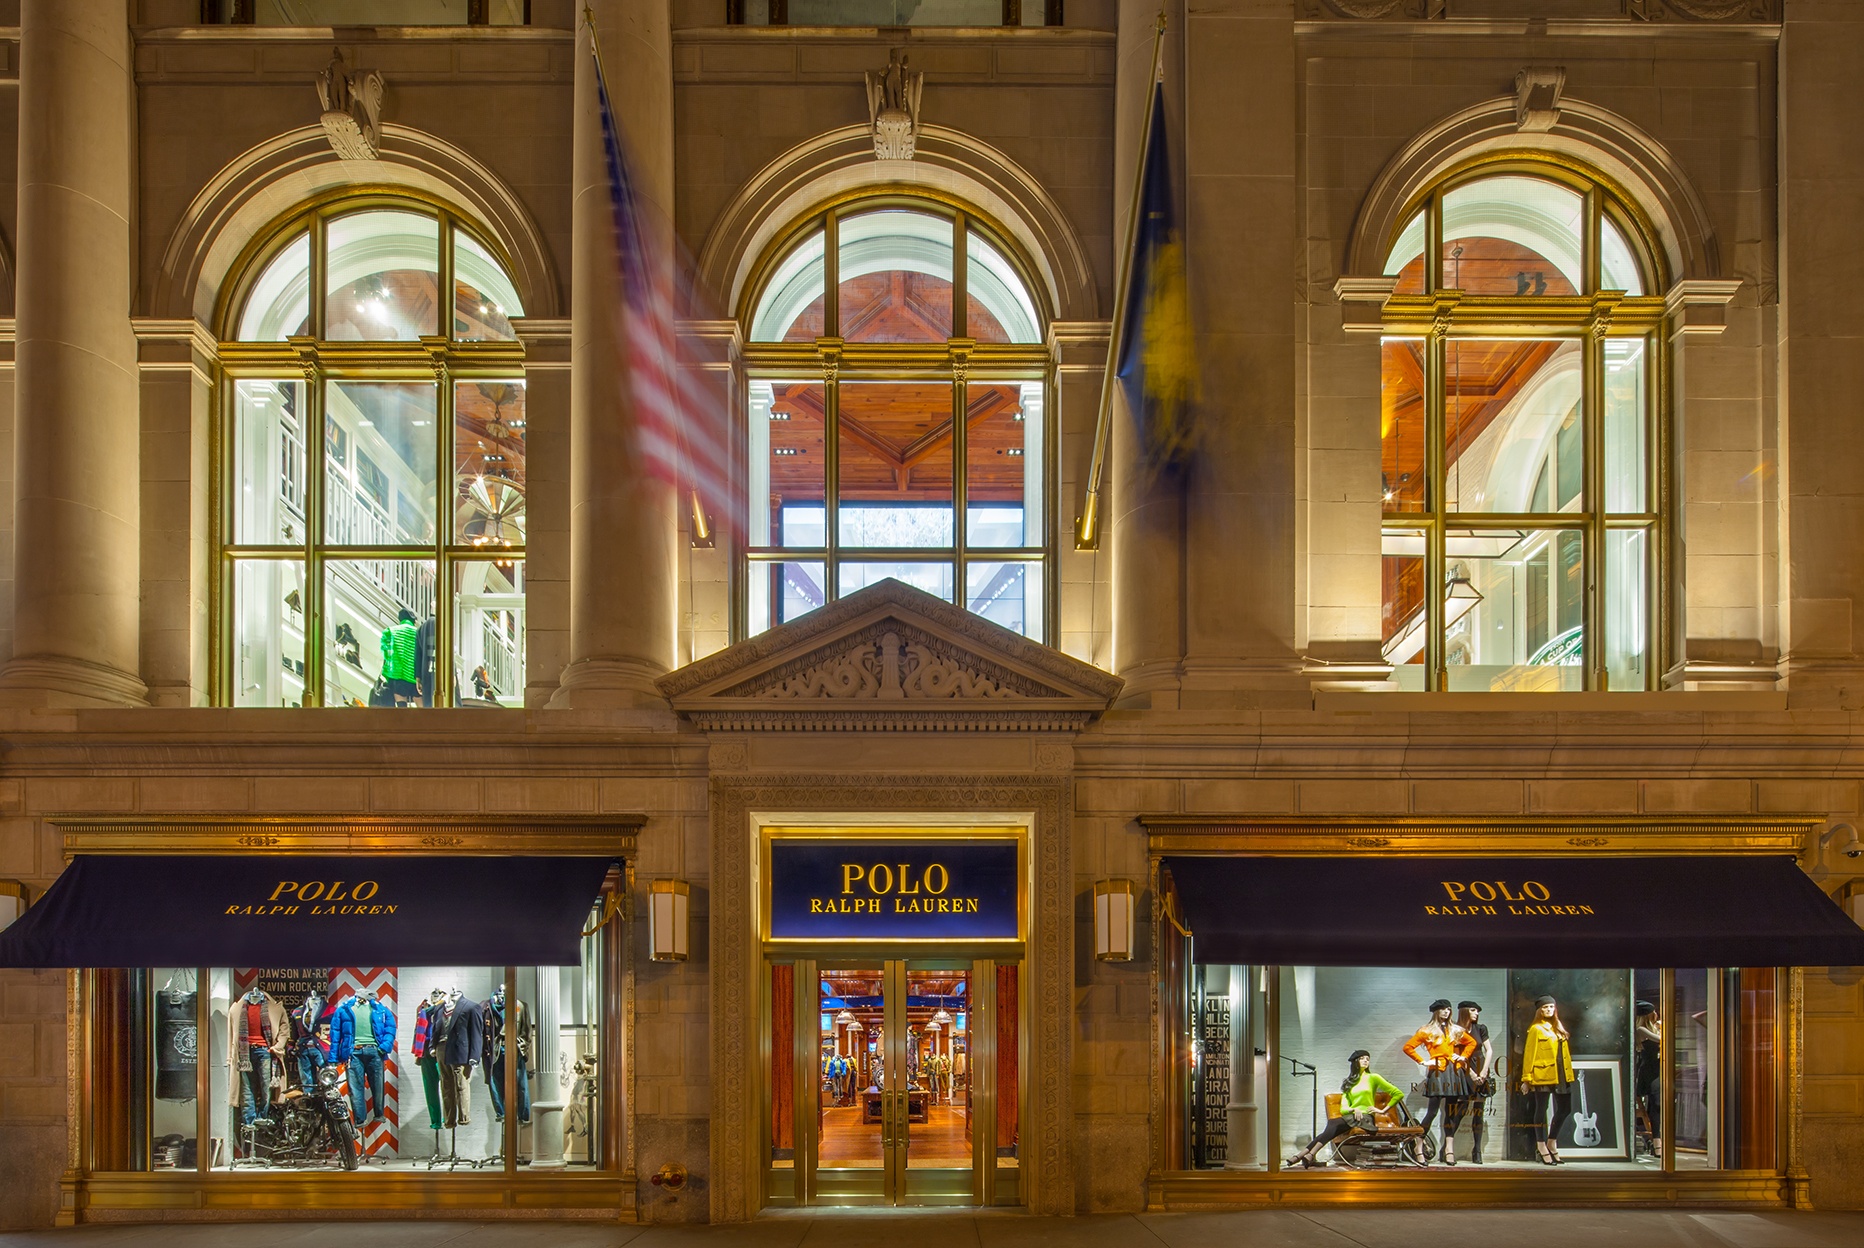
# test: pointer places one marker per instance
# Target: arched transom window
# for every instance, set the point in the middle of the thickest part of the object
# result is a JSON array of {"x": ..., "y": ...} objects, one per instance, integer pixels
[
  {"x": 372, "y": 498},
  {"x": 1520, "y": 441},
  {"x": 899, "y": 418}
]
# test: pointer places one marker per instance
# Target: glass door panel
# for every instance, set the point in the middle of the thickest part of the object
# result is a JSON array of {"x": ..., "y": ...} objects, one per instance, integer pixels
[
  {"x": 855, "y": 1079},
  {"x": 940, "y": 1142}
]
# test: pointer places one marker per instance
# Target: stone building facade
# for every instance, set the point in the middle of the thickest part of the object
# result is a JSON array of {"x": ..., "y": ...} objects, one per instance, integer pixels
[{"x": 1220, "y": 670}]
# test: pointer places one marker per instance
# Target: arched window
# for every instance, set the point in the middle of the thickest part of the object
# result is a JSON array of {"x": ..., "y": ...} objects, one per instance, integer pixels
[
  {"x": 1520, "y": 445},
  {"x": 899, "y": 418},
  {"x": 381, "y": 562}
]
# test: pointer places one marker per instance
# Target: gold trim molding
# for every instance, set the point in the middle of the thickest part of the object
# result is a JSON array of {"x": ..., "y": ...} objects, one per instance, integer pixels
[
  {"x": 371, "y": 834},
  {"x": 1501, "y": 836},
  {"x": 1220, "y": 1189}
]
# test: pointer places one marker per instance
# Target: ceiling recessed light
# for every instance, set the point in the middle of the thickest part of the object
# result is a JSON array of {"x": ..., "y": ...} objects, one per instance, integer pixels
[{"x": 787, "y": 450}]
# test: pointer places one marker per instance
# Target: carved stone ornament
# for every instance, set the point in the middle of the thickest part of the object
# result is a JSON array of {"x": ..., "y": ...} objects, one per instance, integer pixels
[
  {"x": 1706, "y": 10},
  {"x": 1537, "y": 97},
  {"x": 890, "y": 657},
  {"x": 1373, "y": 10},
  {"x": 352, "y": 109},
  {"x": 893, "y": 108}
]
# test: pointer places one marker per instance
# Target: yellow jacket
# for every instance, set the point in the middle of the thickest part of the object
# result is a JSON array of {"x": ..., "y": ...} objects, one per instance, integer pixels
[{"x": 1546, "y": 1059}]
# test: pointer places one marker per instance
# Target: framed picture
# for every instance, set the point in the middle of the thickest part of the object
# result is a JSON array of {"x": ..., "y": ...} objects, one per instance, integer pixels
[{"x": 1596, "y": 1129}]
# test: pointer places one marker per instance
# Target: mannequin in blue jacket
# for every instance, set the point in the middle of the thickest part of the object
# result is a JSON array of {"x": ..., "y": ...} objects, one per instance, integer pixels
[{"x": 362, "y": 1035}]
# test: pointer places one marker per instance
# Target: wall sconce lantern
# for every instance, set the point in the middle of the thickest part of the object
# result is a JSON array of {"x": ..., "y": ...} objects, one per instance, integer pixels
[
  {"x": 1113, "y": 920},
  {"x": 668, "y": 902},
  {"x": 13, "y": 902}
]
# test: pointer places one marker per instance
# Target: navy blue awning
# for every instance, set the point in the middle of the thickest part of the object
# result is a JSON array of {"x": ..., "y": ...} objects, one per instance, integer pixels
[
  {"x": 213, "y": 910},
  {"x": 1553, "y": 913}
]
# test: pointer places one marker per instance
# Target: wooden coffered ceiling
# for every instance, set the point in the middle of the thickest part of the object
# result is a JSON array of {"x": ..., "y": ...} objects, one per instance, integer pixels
[{"x": 896, "y": 441}]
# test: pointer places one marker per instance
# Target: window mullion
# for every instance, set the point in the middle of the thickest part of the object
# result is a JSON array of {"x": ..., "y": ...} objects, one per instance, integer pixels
[
  {"x": 1435, "y": 564},
  {"x": 314, "y": 466},
  {"x": 960, "y": 462},
  {"x": 831, "y": 480},
  {"x": 445, "y": 487},
  {"x": 1592, "y": 549}
]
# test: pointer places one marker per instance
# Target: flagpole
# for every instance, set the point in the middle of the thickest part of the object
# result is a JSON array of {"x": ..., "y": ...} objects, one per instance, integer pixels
[
  {"x": 701, "y": 534},
  {"x": 1087, "y": 524}
]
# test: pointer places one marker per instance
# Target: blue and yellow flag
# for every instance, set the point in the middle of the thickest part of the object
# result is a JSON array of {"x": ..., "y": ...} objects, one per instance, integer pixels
[{"x": 1157, "y": 367}]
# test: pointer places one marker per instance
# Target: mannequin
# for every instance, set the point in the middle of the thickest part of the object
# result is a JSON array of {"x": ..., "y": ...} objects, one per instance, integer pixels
[
  {"x": 1647, "y": 1072},
  {"x": 496, "y": 1030},
  {"x": 1547, "y": 1078},
  {"x": 426, "y": 1052},
  {"x": 1481, "y": 1063},
  {"x": 365, "y": 1035},
  {"x": 304, "y": 1022},
  {"x": 1443, "y": 1049},
  {"x": 257, "y": 1031},
  {"x": 461, "y": 1042},
  {"x": 1358, "y": 1103}
]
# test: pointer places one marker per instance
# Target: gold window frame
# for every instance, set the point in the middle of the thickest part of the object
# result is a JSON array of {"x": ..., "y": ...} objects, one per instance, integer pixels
[
  {"x": 98, "y": 1119},
  {"x": 1170, "y": 1185}
]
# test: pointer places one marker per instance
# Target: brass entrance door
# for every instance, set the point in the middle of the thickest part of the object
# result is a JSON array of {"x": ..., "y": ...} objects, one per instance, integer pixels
[{"x": 894, "y": 1076}]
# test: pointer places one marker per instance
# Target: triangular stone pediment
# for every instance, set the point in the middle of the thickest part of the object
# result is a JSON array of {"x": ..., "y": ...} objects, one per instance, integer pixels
[{"x": 890, "y": 657}]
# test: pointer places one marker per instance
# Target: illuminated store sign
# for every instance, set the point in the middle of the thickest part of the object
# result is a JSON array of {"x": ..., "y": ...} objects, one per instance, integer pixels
[{"x": 839, "y": 889}]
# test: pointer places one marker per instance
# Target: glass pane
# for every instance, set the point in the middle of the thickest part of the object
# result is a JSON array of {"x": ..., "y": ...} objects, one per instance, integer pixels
[
  {"x": 1617, "y": 260},
  {"x": 1003, "y": 464},
  {"x": 1512, "y": 425},
  {"x": 1627, "y": 608},
  {"x": 795, "y": 589},
  {"x": 938, "y": 1085},
  {"x": 379, "y": 632},
  {"x": 488, "y": 632},
  {"x": 384, "y": 277},
  {"x": 850, "y": 1111},
  {"x": 488, "y": 463},
  {"x": 895, "y": 278},
  {"x": 379, "y": 463},
  {"x": 1406, "y": 261},
  {"x": 792, "y": 307},
  {"x": 1402, "y": 609},
  {"x": 268, "y": 463},
  {"x": 1230, "y": 1068},
  {"x": 1693, "y": 1040},
  {"x": 1009, "y": 594},
  {"x": 1625, "y": 426},
  {"x": 378, "y": 12},
  {"x": 1752, "y": 1087},
  {"x": 1401, "y": 425},
  {"x": 268, "y": 632},
  {"x": 484, "y": 300},
  {"x": 1513, "y": 236},
  {"x": 787, "y": 443},
  {"x": 174, "y": 1036},
  {"x": 895, "y": 464},
  {"x": 1473, "y": 1064},
  {"x": 997, "y": 303},
  {"x": 933, "y": 578},
  {"x": 897, "y": 12},
  {"x": 279, "y": 305},
  {"x": 1514, "y": 611}
]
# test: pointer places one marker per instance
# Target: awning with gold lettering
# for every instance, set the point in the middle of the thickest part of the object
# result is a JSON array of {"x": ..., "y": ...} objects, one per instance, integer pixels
[
  {"x": 1553, "y": 913},
  {"x": 224, "y": 910}
]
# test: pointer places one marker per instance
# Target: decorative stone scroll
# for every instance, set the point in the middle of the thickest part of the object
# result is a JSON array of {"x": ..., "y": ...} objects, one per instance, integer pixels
[
  {"x": 352, "y": 102},
  {"x": 1537, "y": 97},
  {"x": 893, "y": 108}
]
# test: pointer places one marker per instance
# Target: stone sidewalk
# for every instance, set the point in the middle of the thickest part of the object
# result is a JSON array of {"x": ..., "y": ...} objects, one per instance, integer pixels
[{"x": 1358, "y": 1228}]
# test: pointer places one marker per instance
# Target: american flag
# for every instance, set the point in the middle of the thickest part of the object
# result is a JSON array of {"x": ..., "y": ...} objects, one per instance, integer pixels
[{"x": 681, "y": 413}]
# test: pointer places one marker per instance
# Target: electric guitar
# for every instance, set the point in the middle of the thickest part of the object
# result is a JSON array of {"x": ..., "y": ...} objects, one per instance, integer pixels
[{"x": 1585, "y": 1126}]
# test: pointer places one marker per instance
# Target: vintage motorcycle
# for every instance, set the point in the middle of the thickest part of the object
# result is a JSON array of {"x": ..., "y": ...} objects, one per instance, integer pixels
[{"x": 308, "y": 1127}]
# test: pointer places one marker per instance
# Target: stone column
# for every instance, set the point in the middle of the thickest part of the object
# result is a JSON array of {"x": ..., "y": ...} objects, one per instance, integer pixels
[
  {"x": 77, "y": 527},
  {"x": 623, "y": 533},
  {"x": 1241, "y": 1153},
  {"x": 1243, "y": 256},
  {"x": 1145, "y": 524}
]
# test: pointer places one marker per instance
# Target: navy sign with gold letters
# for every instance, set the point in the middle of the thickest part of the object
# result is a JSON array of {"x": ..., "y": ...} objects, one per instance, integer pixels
[{"x": 842, "y": 889}]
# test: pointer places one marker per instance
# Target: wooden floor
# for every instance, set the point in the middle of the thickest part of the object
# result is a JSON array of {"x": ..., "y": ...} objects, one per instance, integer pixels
[{"x": 941, "y": 1143}]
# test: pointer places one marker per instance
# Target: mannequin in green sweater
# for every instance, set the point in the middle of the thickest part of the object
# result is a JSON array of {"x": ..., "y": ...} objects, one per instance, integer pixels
[
  {"x": 1358, "y": 1101},
  {"x": 399, "y": 667}
]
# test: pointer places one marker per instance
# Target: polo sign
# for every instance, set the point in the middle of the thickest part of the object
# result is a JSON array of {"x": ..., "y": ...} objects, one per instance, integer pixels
[{"x": 893, "y": 890}]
